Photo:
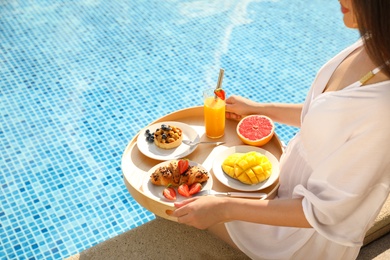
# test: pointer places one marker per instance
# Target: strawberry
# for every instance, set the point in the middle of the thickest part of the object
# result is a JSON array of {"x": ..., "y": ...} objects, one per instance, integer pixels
[
  {"x": 169, "y": 193},
  {"x": 184, "y": 190},
  {"x": 220, "y": 93},
  {"x": 195, "y": 188},
  {"x": 183, "y": 165}
]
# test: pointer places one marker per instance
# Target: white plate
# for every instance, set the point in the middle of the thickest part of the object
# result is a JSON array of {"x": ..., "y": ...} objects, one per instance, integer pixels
[
  {"x": 154, "y": 152},
  {"x": 155, "y": 191},
  {"x": 235, "y": 184}
]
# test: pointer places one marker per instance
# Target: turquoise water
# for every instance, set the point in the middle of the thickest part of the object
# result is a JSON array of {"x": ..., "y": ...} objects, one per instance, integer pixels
[{"x": 78, "y": 79}]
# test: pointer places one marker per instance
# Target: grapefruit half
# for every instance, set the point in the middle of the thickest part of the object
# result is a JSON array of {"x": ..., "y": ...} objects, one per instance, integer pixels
[{"x": 256, "y": 130}]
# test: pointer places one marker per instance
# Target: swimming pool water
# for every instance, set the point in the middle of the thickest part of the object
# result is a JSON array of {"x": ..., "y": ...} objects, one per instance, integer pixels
[{"x": 78, "y": 79}]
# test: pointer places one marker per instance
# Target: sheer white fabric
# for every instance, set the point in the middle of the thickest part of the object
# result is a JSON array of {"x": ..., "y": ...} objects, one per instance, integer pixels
[{"x": 339, "y": 163}]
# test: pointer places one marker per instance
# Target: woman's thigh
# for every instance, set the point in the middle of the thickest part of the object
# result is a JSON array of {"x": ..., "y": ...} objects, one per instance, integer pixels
[{"x": 220, "y": 231}]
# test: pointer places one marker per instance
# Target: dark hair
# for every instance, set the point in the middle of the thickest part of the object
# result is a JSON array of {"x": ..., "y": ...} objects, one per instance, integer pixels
[{"x": 374, "y": 26}]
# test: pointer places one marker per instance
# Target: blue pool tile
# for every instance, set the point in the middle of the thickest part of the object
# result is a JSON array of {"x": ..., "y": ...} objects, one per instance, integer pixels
[{"x": 73, "y": 94}]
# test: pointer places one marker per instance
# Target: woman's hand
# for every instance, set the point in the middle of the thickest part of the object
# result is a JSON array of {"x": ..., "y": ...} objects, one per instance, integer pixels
[
  {"x": 199, "y": 212},
  {"x": 204, "y": 212},
  {"x": 237, "y": 107}
]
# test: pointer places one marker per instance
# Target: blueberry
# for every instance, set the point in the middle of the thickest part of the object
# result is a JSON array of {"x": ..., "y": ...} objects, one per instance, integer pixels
[
  {"x": 165, "y": 127},
  {"x": 150, "y": 138},
  {"x": 164, "y": 136},
  {"x": 148, "y": 134}
]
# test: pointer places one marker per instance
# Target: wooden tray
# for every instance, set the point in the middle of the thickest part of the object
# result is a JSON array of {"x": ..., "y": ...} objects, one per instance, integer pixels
[{"x": 135, "y": 165}]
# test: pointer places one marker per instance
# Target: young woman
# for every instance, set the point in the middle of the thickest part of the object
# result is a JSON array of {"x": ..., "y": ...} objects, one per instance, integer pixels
[{"x": 335, "y": 173}]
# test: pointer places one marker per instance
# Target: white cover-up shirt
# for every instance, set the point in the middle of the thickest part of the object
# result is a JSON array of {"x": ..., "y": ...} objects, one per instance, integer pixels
[{"x": 339, "y": 163}]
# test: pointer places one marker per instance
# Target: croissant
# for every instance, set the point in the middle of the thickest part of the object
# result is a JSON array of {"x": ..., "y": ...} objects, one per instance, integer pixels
[
  {"x": 174, "y": 167},
  {"x": 162, "y": 176},
  {"x": 170, "y": 175},
  {"x": 193, "y": 175},
  {"x": 248, "y": 168}
]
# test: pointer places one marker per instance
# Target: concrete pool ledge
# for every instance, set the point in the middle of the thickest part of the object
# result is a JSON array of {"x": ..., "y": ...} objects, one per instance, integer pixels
[
  {"x": 164, "y": 239},
  {"x": 161, "y": 239}
]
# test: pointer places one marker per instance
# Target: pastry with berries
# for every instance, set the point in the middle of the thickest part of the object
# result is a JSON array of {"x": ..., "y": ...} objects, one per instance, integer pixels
[{"x": 168, "y": 137}]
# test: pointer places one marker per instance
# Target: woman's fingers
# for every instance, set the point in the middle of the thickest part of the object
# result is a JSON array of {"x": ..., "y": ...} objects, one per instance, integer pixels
[
  {"x": 197, "y": 212},
  {"x": 236, "y": 107},
  {"x": 230, "y": 101},
  {"x": 181, "y": 210},
  {"x": 234, "y": 116},
  {"x": 180, "y": 204}
]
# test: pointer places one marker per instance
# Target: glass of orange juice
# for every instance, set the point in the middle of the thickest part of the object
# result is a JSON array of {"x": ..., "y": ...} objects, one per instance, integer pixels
[{"x": 214, "y": 114}]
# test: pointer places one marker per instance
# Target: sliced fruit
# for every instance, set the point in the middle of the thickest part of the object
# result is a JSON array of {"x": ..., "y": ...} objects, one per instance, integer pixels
[
  {"x": 252, "y": 168},
  {"x": 220, "y": 93},
  {"x": 184, "y": 190},
  {"x": 195, "y": 188},
  {"x": 229, "y": 164},
  {"x": 169, "y": 193},
  {"x": 256, "y": 130},
  {"x": 183, "y": 165}
]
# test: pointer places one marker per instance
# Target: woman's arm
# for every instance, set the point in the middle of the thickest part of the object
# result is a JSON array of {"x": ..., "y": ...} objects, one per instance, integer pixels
[
  {"x": 204, "y": 212},
  {"x": 289, "y": 114},
  {"x": 286, "y": 212}
]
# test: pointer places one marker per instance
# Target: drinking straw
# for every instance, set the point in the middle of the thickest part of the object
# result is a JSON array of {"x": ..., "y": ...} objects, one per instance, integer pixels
[{"x": 220, "y": 78}]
